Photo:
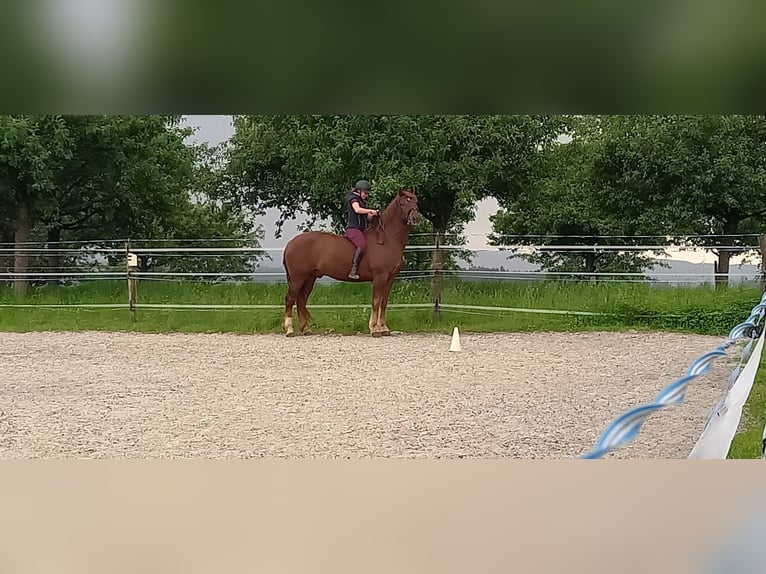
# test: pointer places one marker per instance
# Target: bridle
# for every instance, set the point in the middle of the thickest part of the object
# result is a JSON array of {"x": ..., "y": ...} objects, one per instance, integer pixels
[
  {"x": 413, "y": 209},
  {"x": 408, "y": 221}
]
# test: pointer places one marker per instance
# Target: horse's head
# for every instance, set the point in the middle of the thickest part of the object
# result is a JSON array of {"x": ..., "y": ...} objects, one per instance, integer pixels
[{"x": 407, "y": 202}]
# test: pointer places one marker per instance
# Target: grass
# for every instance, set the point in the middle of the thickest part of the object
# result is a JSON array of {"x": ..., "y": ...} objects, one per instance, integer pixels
[
  {"x": 630, "y": 306},
  {"x": 747, "y": 441}
]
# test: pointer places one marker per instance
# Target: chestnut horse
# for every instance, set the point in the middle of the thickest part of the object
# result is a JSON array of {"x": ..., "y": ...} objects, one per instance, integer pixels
[{"x": 314, "y": 254}]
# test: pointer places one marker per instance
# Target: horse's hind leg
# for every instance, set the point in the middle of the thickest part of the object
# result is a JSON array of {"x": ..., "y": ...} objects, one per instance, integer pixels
[
  {"x": 303, "y": 313},
  {"x": 290, "y": 298}
]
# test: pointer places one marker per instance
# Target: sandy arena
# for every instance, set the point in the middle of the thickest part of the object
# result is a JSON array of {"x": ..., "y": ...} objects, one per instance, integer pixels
[{"x": 541, "y": 395}]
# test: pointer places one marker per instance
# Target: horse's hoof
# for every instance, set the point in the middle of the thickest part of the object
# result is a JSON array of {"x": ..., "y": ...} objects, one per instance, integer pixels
[
  {"x": 377, "y": 334},
  {"x": 305, "y": 333},
  {"x": 290, "y": 334},
  {"x": 386, "y": 333}
]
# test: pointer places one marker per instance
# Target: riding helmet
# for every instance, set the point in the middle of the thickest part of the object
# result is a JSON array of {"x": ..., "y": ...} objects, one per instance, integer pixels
[{"x": 362, "y": 185}]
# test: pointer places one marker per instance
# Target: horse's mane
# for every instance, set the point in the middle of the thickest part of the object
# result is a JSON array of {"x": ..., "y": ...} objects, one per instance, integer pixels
[{"x": 390, "y": 207}]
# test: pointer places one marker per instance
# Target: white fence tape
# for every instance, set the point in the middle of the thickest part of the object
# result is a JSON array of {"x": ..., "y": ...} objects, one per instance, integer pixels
[
  {"x": 718, "y": 434},
  {"x": 214, "y": 306},
  {"x": 626, "y": 426}
]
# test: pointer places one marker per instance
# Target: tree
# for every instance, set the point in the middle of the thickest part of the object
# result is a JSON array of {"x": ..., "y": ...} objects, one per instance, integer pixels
[
  {"x": 307, "y": 163},
  {"x": 209, "y": 215},
  {"x": 561, "y": 207},
  {"x": 94, "y": 178},
  {"x": 421, "y": 262},
  {"x": 124, "y": 176},
  {"x": 687, "y": 174},
  {"x": 32, "y": 150}
]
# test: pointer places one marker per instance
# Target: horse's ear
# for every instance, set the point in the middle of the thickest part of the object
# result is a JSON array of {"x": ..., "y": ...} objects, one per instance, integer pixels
[{"x": 401, "y": 191}]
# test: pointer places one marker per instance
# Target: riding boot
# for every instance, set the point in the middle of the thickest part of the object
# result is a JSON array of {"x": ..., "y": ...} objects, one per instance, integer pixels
[{"x": 355, "y": 264}]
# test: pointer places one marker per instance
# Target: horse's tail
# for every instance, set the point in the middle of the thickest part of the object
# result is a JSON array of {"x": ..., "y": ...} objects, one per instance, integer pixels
[{"x": 284, "y": 264}]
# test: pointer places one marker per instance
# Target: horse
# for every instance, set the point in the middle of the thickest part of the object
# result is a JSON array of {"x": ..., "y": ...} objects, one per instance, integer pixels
[{"x": 314, "y": 254}]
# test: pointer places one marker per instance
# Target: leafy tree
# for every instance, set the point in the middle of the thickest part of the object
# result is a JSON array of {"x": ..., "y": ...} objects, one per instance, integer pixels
[
  {"x": 561, "y": 207},
  {"x": 306, "y": 163},
  {"x": 33, "y": 149},
  {"x": 419, "y": 263},
  {"x": 93, "y": 178},
  {"x": 126, "y": 174},
  {"x": 686, "y": 174},
  {"x": 209, "y": 215}
]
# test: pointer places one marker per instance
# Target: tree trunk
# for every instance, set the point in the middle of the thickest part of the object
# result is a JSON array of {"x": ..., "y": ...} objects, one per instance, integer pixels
[
  {"x": 54, "y": 259},
  {"x": 6, "y": 261},
  {"x": 721, "y": 267},
  {"x": 21, "y": 237},
  {"x": 437, "y": 260}
]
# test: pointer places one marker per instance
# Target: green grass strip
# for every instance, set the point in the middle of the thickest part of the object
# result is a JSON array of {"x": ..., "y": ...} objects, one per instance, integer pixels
[
  {"x": 747, "y": 441},
  {"x": 502, "y": 305}
]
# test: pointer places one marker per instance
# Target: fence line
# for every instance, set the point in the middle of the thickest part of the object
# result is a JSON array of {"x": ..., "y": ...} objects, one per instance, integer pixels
[
  {"x": 426, "y": 272},
  {"x": 722, "y": 423},
  {"x": 133, "y": 273},
  {"x": 488, "y": 248},
  {"x": 426, "y": 275},
  {"x": 244, "y": 306},
  {"x": 215, "y": 306},
  {"x": 124, "y": 240},
  {"x": 626, "y": 427}
]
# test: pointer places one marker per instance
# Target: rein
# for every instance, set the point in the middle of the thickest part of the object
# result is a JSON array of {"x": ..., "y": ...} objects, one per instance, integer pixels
[{"x": 381, "y": 229}]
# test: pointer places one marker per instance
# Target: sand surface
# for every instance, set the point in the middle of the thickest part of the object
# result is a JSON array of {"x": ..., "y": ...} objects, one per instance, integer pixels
[{"x": 540, "y": 395}]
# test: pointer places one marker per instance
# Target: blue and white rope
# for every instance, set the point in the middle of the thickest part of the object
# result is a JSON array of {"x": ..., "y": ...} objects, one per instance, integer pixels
[{"x": 626, "y": 427}]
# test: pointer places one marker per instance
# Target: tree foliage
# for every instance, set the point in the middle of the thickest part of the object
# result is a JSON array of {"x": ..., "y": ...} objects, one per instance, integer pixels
[
  {"x": 306, "y": 163},
  {"x": 686, "y": 175},
  {"x": 93, "y": 178},
  {"x": 562, "y": 207}
]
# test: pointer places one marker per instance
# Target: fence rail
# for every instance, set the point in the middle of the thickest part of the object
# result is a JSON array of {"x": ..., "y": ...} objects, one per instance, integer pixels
[
  {"x": 511, "y": 248},
  {"x": 206, "y": 259},
  {"x": 153, "y": 260}
]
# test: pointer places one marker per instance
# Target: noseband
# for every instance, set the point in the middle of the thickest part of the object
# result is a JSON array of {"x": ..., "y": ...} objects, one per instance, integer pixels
[{"x": 409, "y": 215}]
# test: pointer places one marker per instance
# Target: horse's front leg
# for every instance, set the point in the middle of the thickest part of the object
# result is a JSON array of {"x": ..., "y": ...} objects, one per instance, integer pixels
[
  {"x": 382, "y": 326},
  {"x": 378, "y": 286}
]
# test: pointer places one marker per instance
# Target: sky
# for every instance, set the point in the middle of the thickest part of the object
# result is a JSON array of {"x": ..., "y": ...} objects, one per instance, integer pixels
[{"x": 216, "y": 129}]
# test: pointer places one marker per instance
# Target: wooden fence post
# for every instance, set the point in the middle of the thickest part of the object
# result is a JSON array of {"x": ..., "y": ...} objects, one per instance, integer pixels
[
  {"x": 436, "y": 282},
  {"x": 132, "y": 266}
]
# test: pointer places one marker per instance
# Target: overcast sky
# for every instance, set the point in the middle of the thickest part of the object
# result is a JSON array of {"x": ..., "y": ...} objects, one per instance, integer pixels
[{"x": 216, "y": 129}]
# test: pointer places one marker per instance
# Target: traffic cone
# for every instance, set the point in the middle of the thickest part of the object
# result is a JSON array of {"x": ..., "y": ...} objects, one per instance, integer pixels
[{"x": 455, "y": 345}]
